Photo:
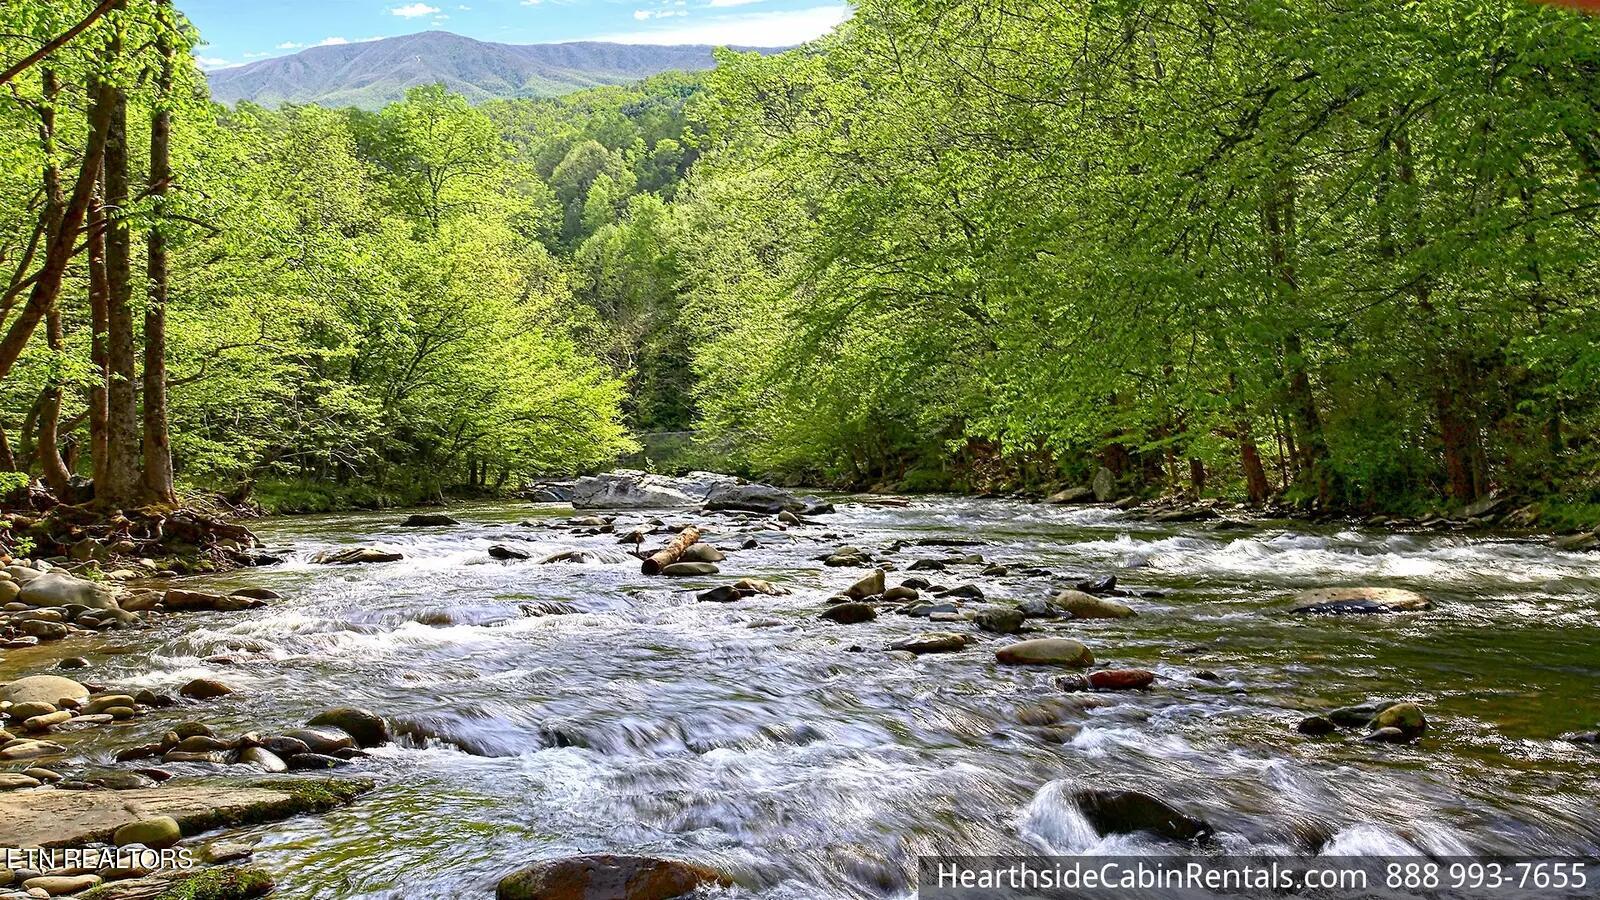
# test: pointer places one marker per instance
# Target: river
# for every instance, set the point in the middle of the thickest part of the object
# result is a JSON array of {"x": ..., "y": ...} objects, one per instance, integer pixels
[{"x": 798, "y": 756}]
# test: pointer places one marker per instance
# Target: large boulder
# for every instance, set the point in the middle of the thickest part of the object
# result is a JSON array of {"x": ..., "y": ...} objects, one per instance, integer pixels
[
  {"x": 428, "y": 520},
  {"x": 51, "y": 689},
  {"x": 61, "y": 589},
  {"x": 610, "y": 877},
  {"x": 757, "y": 498},
  {"x": 1357, "y": 600},
  {"x": 628, "y": 490}
]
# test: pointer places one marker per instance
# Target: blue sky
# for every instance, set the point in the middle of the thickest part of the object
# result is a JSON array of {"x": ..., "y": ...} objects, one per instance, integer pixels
[{"x": 242, "y": 31}]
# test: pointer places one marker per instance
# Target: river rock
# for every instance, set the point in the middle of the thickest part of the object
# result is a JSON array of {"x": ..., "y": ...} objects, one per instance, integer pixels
[
  {"x": 51, "y": 689},
  {"x": 1000, "y": 620},
  {"x": 315, "y": 761},
  {"x": 572, "y": 556},
  {"x": 257, "y": 593},
  {"x": 176, "y": 599},
  {"x": 48, "y": 721},
  {"x": 326, "y": 741},
  {"x": 1121, "y": 679},
  {"x": 701, "y": 552},
  {"x": 850, "y": 613},
  {"x": 29, "y": 709},
  {"x": 504, "y": 553},
  {"x": 1406, "y": 717},
  {"x": 14, "y": 781},
  {"x": 1105, "y": 584},
  {"x": 1046, "y": 652},
  {"x": 1087, "y": 606},
  {"x": 428, "y": 520},
  {"x": 724, "y": 593},
  {"x": 204, "y": 689},
  {"x": 870, "y": 586},
  {"x": 1360, "y": 714},
  {"x": 757, "y": 586},
  {"x": 157, "y": 833},
  {"x": 1081, "y": 494},
  {"x": 263, "y": 759},
  {"x": 901, "y": 594},
  {"x": 29, "y": 749},
  {"x": 61, "y": 885},
  {"x": 608, "y": 877},
  {"x": 757, "y": 498},
  {"x": 1316, "y": 726},
  {"x": 357, "y": 556},
  {"x": 932, "y": 642},
  {"x": 628, "y": 490},
  {"x": 1129, "y": 812},
  {"x": 1104, "y": 485},
  {"x": 60, "y": 589},
  {"x": 1357, "y": 600},
  {"x": 1387, "y": 736},
  {"x": 367, "y": 728},
  {"x": 691, "y": 568}
]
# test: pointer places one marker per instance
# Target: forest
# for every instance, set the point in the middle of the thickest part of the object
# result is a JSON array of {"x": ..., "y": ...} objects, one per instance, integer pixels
[{"x": 1335, "y": 255}]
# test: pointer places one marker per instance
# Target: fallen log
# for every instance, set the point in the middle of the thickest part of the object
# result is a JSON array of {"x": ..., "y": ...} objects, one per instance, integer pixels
[{"x": 666, "y": 556}]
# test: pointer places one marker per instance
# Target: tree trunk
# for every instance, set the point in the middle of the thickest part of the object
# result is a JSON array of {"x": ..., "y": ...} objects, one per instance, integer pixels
[
  {"x": 50, "y": 463},
  {"x": 1278, "y": 224},
  {"x": 122, "y": 485},
  {"x": 59, "y": 249},
  {"x": 671, "y": 553},
  {"x": 97, "y": 342},
  {"x": 158, "y": 486}
]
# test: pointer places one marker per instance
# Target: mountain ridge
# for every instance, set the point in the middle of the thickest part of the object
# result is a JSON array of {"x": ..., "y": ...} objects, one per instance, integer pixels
[{"x": 372, "y": 74}]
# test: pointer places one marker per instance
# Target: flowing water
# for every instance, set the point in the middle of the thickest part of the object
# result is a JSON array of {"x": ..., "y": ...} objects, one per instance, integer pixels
[{"x": 800, "y": 757}]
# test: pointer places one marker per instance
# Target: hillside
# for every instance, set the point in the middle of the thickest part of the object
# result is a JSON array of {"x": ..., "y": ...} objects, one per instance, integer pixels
[{"x": 376, "y": 73}]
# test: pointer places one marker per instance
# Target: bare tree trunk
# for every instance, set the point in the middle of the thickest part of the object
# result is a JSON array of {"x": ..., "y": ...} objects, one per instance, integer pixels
[
  {"x": 158, "y": 487},
  {"x": 122, "y": 482}
]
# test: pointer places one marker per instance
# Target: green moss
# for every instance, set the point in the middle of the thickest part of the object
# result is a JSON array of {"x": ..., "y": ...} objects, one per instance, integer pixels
[
  {"x": 1563, "y": 516},
  {"x": 228, "y": 883}
]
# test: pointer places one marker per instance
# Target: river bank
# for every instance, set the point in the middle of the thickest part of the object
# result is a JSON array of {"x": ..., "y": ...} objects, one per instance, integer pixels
[{"x": 564, "y": 703}]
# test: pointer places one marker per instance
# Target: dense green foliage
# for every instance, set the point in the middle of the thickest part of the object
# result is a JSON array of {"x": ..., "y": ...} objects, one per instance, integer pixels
[
  {"x": 1342, "y": 252},
  {"x": 980, "y": 241}
]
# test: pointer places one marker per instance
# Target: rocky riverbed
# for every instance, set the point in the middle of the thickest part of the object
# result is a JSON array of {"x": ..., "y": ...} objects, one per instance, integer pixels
[{"x": 831, "y": 687}]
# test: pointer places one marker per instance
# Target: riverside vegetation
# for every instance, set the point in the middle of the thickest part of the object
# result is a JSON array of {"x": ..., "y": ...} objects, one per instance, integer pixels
[{"x": 1240, "y": 259}]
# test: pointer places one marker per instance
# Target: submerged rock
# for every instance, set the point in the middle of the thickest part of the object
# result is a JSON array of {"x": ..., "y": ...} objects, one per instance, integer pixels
[
  {"x": 1407, "y": 718},
  {"x": 157, "y": 833},
  {"x": 1046, "y": 652},
  {"x": 608, "y": 877},
  {"x": 1316, "y": 726},
  {"x": 1121, "y": 679},
  {"x": 428, "y": 520},
  {"x": 1000, "y": 620},
  {"x": 932, "y": 642},
  {"x": 204, "y": 689},
  {"x": 1087, "y": 606},
  {"x": 1130, "y": 812},
  {"x": 1357, "y": 600},
  {"x": 507, "y": 554},
  {"x": 356, "y": 556},
  {"x": 691, "y": 568}
]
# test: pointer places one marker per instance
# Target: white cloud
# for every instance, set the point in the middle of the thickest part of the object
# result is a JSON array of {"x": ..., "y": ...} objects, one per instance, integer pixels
[
  {"x": 753, "y": 29},
  {"x": 720, "y": 3},
  {"x": 212, "y": 63},
  {"x": 290, "y": 45},
  {"x": 645, "y": 14},
  {"x": 332, "y": 42},
  {"x": 414, "y": 10}
]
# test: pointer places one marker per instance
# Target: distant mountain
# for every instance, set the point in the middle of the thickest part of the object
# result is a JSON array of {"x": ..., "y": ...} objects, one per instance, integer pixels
[{"x": 375, "y": 73}]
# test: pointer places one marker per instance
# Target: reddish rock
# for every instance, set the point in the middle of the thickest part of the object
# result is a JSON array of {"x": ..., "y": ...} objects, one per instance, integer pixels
[{"x": 1121, "y": 679}]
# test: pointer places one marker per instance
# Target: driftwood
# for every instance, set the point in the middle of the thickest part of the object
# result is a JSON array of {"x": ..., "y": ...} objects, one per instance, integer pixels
[{"x": 666, "y": 556}]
